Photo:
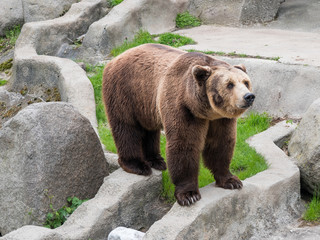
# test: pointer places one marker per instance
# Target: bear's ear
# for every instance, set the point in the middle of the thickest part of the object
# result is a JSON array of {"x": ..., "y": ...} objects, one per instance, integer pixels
[
  {"x": 241, "y": 67},
  {"x": 201, "y": 73}
]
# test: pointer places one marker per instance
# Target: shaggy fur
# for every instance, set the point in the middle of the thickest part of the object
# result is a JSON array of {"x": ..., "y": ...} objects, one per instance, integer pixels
[{"x": 194, "y": 97}]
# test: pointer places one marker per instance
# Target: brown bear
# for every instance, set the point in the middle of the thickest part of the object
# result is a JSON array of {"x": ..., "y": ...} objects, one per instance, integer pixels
[{"x": 194, "y": 97}]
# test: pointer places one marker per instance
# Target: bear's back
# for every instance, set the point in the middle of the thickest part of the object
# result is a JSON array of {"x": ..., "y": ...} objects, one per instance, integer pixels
[{"x": 131, "y": 80}]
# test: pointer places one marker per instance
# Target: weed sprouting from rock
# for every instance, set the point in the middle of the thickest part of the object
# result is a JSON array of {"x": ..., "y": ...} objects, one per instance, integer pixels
[{"x": 56, "y": 217}]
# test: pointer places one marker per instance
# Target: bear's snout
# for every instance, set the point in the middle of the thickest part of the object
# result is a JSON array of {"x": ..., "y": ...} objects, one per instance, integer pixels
[{"x": 249, "y": 98}]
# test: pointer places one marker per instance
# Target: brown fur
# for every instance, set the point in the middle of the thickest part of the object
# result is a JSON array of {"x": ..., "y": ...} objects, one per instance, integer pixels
[{"x": 194, "y": 97}]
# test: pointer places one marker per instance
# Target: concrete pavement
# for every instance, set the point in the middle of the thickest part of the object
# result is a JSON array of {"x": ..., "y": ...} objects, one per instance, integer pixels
[{"x": 290, "y": 47}]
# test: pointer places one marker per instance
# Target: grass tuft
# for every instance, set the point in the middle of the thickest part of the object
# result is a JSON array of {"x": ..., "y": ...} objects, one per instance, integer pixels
[
  {"x": 140, "y": 38},
  {"x": 113, "y": 3},
  {"x": 185, "y": 19},
  {"x": 174, "y": 40},
  {"x": 3, "y": 82},
  {"x": 312, "y": 213},
  {"x": 96, "y": 80},
  {"x": 10, "y": 38}
]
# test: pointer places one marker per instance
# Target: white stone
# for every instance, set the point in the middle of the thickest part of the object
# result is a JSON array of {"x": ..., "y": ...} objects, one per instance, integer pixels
[{"x": 122, "y": 233}]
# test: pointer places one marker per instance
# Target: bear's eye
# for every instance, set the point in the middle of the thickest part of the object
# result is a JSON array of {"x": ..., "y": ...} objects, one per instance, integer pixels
[
  {"x": 230, "y": 85},
  {"x": 247, "y": 84}
]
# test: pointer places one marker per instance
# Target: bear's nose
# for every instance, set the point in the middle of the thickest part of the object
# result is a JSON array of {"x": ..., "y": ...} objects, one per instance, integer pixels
[{"x": 249, "y": 97}]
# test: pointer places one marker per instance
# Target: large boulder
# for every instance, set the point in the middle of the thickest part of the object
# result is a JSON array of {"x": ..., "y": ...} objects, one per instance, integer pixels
[
  {"x": 234, "y": 12},
  {"x": 11, "y": 14},
  {"x": 125, "y": 20},
  {"x": 48, "y": 152},
  {"x": 18, "y": 12},
  {"x": 39, "y": 10},
  {"x": 304, "y": 147}
]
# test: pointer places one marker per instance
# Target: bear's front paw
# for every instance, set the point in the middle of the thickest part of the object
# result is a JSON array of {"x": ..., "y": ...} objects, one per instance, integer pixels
[
  {"x": 232, "y": 182},
  {"x": 188, "y": 198}
]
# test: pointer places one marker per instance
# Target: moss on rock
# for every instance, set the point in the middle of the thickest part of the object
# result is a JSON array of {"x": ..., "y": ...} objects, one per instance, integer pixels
[{"x": 6, "y": 65}]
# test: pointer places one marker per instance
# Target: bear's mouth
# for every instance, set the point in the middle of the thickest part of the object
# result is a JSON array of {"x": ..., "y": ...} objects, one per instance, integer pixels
[{"x": 244, "y": 106}]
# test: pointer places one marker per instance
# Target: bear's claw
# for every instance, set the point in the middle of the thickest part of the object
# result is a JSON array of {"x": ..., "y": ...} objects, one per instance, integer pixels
[
  {"x": 188, "y": 198},
  {"x": 230, "y": 183}
]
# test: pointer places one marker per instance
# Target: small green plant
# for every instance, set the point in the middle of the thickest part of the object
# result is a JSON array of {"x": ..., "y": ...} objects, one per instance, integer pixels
[
  {"x": 3, "y": 82},
  {"x": 185, "y": 19},
  {"x": 10, "y": 38},
  {"x": 55, "y": 218},
  {"x": 174, "y": 40},
  {"x": 312, "y": 213},
  {"x": 113, "y": 3},
  {"x": 289, "y": 121}
]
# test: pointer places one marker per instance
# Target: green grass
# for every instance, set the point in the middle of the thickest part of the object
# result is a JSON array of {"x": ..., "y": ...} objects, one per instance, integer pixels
[
  {"x": 140, "y": 38},
  {"x": 104, "y": 132},
  {"x": 10, "y": 38},
  {"x": 174, "y": 40},
  {"x": 185, "y": 19},
  {"x": 312, "y": 213},
  {"x": 3, "y": 82},
  {"x": 113, "y": 3},
  {"x": 143, "y": 37}
]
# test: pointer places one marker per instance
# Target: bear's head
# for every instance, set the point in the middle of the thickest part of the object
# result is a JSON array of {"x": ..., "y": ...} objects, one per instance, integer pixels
[{"x": 228, "y": 88}]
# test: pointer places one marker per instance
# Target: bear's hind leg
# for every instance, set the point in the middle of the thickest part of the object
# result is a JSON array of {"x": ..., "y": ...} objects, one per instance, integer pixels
[
  {"x": 218, "y": 152},
  {"x": 151, "y": 150},
  {"x": 128, "y": 140}
]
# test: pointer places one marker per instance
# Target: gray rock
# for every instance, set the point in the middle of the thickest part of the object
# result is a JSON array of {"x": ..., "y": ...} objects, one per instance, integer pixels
[
  {"x": 126, "y": 19},
  {"x": 11, "y": 14},
  {"x": 257, "y": 11},
  {"x": 267, "y": 201},
  {"x": 47, "y": 149},
  {"x": 39, "y": 10},
  {"x": 10, "y": 98},
  {"x": 122, "y": 233},
  {"x": 123, "y": 200},
  {"x": 304, "y": 147},
  {"x": 234, "y": 12},
  {"x": 32, "y": 68}
]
